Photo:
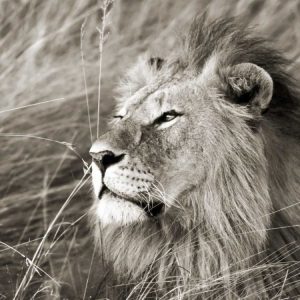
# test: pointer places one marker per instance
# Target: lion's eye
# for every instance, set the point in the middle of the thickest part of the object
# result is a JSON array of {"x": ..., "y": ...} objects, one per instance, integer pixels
[
  {"x": 118, "y": 117},
  {"x": 167, "y": 117}
]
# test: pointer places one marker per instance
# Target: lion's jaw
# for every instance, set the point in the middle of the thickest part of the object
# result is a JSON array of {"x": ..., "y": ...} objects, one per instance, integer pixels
[
  {"x": 111, "y": 208},
  {"x": 127, "y": 192}
]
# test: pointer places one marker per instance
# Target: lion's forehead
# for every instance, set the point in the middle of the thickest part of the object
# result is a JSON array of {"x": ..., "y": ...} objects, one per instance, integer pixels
[
  {"x": 151, "y": 101},
  {"x": 155, "y": 91}
]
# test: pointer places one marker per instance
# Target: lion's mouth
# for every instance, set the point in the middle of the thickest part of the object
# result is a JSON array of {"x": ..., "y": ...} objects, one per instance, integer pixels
[{"x": 152, "y": 208}]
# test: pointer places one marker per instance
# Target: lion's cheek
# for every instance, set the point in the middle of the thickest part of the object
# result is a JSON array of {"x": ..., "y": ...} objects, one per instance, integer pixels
[
  {"x": 179, "y": 178},
  {"x": 117, "y": 211}
]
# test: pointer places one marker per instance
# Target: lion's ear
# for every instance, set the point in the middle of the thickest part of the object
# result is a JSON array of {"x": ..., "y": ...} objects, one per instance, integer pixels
[
  {"x": 249, "y": 84},
  {"x": 156, "y": 62}
]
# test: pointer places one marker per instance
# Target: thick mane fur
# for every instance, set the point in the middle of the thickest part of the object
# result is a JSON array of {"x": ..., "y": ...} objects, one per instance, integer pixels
[
  {"x": 235, "y": 44},
  {"x": 226, "y": 249}
]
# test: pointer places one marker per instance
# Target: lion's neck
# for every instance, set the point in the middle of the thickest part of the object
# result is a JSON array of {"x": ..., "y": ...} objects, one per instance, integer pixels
[
  {"x": 283, "y": 157},
  {"x": 284, "y": 235},
  {"x": 200, "y": 261},
  {"x": 212, "y": 254}
]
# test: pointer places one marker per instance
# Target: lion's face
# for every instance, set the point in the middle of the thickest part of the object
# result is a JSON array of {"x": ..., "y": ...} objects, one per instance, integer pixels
[
  {"x": 157, "y": 143},
  {"x": 167, "y": 138}
]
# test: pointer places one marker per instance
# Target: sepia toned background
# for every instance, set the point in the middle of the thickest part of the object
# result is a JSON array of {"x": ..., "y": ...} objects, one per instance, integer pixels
[{"x": 44, "y": 145}]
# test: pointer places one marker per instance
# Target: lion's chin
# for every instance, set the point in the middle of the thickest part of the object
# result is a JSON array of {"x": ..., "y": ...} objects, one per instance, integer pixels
[{"x": 118, "y": 211}]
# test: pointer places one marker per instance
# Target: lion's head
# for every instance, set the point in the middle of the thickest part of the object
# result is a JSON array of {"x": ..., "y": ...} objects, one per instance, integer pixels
[{"x": 183, "y": 180}]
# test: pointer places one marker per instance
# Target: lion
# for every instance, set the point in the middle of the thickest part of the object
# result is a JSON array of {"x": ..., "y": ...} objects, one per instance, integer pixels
[{"x": 196, "y": 184}]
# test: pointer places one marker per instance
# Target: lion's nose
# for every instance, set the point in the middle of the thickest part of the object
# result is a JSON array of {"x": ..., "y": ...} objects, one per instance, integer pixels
[{"x": 105, "y": 158}]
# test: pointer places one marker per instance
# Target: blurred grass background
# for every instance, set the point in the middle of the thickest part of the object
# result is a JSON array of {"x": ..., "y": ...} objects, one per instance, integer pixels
[{"x": 40, "y": 60}]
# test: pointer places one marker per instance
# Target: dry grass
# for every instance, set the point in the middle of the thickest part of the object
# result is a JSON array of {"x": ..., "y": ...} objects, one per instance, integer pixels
[{"x": 49, "y": 65}]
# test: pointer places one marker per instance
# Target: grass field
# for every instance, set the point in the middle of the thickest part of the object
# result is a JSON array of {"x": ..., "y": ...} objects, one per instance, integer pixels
[{"x": 49, "y": 50}]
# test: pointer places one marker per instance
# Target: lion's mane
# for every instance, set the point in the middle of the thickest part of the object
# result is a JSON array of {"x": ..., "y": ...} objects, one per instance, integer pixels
[{"x": 226, "y": 251}]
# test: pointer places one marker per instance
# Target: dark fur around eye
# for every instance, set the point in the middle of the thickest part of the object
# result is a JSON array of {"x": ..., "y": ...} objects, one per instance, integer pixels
[{"x": 167, "y": 117}]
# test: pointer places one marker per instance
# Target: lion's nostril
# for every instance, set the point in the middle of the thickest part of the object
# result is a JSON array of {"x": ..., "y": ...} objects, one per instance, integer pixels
[
  {"x": 106, "y": 159},
  {"x": 110, "y": 158}
]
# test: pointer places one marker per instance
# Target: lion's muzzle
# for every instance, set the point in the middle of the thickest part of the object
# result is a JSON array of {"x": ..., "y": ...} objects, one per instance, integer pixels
[{"x": 120, "y": 180}]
